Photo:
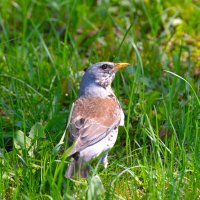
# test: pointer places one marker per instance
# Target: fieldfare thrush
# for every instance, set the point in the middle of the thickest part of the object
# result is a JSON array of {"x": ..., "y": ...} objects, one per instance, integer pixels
[{"x": 96, "y": 115}]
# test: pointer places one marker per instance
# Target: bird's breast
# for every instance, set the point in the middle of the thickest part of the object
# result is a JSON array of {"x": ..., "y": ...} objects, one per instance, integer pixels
[{"x": 103, "y": 110}]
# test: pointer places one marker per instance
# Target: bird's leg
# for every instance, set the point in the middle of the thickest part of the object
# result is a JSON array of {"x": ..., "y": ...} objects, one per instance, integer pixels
[{"x": 104, "y": 160}]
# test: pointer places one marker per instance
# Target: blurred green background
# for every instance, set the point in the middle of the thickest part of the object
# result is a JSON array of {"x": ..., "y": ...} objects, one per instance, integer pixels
[{"x": 44, "y": 48}]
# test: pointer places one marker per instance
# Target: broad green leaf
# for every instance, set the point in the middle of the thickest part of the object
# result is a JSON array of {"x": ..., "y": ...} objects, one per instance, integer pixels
[
  {"x": 21, "y": 141},
  {"x": 37, "y": 131}
]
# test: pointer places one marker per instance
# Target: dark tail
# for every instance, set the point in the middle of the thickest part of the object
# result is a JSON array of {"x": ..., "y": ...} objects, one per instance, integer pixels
[{"x": 77, "y": 169}]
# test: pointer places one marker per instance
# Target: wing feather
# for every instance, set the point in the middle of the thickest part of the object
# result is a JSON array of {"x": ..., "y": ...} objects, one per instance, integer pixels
[{"x": 92, "y": 119}]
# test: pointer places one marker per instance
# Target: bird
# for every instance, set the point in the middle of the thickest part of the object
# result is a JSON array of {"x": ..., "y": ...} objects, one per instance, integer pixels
[{"x": 95, "y": 117}]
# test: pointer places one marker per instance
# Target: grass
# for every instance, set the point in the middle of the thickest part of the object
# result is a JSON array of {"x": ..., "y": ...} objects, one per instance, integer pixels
[{"x": 44, "y": 47}]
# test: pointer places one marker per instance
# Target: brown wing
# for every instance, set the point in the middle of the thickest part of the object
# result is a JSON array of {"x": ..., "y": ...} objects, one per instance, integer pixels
[{"x": 92, "y": 119}]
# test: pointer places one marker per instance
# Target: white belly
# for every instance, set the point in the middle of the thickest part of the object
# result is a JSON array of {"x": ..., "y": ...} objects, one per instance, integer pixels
[{"x": 101, "y": 146}]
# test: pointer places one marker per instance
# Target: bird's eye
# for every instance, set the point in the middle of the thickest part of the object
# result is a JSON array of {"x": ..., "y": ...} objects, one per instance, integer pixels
[{"x": 105, "y": 66}]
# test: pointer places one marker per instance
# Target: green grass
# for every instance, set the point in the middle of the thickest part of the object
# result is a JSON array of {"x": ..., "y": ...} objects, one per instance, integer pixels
[{"x": 44, "y": 47}]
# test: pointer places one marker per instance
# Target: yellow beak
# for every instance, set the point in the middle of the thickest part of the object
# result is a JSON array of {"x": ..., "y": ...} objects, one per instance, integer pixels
[{"x": 120, "y": 66}]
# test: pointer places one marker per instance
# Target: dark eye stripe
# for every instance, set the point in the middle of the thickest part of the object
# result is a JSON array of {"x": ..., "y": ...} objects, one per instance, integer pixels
[{"x": 104, "y": 66}]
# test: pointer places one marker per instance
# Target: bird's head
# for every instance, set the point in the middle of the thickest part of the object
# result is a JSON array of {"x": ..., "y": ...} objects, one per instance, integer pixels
[
  {"x": 103, "y": 73},
  {"x": 99, "y": 75}
]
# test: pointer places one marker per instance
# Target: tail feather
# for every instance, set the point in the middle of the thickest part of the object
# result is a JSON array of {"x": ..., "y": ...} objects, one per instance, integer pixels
[{"x": 77, "y": 168}]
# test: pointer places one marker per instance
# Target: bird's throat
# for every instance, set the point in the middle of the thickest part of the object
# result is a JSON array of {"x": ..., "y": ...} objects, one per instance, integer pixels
[{"x": 96, "y": 90}]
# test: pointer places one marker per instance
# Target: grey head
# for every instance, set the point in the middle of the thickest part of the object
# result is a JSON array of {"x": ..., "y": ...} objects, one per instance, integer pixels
[{"x": 98, "y": 78}]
